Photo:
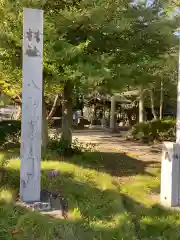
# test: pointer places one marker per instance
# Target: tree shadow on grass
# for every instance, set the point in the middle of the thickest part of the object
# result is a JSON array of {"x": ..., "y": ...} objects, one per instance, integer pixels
[
  {"x": 90, "y": 202},
  {"x": 116, "y": 164},
  {"x": 97, "y": 209},
  {"x": 154, "y": 222}
]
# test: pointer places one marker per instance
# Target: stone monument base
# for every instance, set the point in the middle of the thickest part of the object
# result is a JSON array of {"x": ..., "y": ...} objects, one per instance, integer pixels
[{"x": 51, "y": 203}]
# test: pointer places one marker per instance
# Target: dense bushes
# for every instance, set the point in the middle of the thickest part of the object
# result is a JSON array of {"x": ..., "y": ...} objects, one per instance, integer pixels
[
  {"x": 9, "y": 131},
  {"x": 156, "y": 130}
]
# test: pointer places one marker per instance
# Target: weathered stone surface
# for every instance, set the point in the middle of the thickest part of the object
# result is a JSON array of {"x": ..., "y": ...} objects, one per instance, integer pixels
[
  {"x": 45, "y": 195},
  {"x": 52, "y": 204},
  {"x": 41, "y": 206},
  {"x": 170, "y": 174},
  {"x": 31, "y": 105}
]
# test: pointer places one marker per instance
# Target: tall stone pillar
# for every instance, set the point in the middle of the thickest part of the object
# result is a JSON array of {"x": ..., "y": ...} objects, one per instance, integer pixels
[{"x": 31, "y": 125}]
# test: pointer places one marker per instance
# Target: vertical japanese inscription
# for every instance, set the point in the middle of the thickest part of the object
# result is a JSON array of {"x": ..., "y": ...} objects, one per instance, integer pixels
[
  {"x": 31, "y": 105},
  {"x": 33, "y": 38}
]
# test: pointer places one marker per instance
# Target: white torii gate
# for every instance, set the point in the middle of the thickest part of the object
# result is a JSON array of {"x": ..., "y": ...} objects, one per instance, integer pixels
[{"x": 118, "y": 97}]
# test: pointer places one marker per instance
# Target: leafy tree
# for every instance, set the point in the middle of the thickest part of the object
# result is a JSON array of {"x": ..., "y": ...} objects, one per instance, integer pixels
[
  {"x": 148, "y": 55},
  {"x": 91, "y": 45},
  {"x": 68, "y": 62}
]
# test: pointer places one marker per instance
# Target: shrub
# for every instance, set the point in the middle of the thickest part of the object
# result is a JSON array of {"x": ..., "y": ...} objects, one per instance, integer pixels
[
  {"x": 77, "y": 147},
  {"x": 3, "y": 163},
  {"x": 156, "y": 130},
  {"x": 9, "y": 131}
]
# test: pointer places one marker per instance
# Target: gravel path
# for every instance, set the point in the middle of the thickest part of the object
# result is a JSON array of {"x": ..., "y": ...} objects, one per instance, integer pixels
[{"x": 114, "y": 143}]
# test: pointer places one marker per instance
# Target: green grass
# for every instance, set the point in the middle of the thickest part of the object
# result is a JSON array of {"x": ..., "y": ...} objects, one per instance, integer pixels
[{"x": 102, "y": 206}]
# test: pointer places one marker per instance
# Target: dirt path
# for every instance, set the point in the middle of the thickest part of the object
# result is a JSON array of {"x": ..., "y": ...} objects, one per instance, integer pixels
[{"x": 114, "y": 143}]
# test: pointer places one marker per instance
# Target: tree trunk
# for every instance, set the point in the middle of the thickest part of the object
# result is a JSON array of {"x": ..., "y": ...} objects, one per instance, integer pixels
[
  {"x": 82, "y": 113},
  {"x": 152, "y": 104},
  {"x": 18, "y": 114},
  {"x": 45, "y": 137},
  {"x": 93, "y": 117},
  {"x": 104, "y": 116},
  {"x": 161, "y": 100},
  {"x": 141, "y": 107},
  {"x": 113, "y": 114},
  {"x": 95, "y": 113},
  {"x": 54, "y": 107},
  {"x": 66, "y": 136},
  {"x": 82, "y": 106}
]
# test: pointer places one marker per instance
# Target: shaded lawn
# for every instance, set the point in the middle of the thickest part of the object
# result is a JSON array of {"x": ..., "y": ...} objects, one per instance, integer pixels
[
  {"x": 115, "y": 164},
  {"x": 100, "y": 206}
]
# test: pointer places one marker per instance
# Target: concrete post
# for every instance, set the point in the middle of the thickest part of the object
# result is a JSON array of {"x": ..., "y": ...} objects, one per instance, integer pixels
[{"x": 170, "y": 174}]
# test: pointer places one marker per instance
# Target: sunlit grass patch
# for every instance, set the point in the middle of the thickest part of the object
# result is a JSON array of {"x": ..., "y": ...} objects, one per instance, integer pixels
[{"x": 101, "y": 207}]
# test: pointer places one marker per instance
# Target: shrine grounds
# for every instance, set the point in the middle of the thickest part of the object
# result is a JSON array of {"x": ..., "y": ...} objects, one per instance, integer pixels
[{"x": 112, "y": 193}]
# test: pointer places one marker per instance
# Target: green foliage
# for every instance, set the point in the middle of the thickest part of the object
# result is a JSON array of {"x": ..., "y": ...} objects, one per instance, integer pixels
[
  {"x": 156, "y": 130},
  {"x": 92, "y": 44},
  {"x": 9, "y": 131},
  {"x": 4, "y": 100},
  {"x": 100, "y": 46},
  {"x": 3, "y": 164},
  {"x": 60, "y": 147},
  {"x": 84, "y": 147}
]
